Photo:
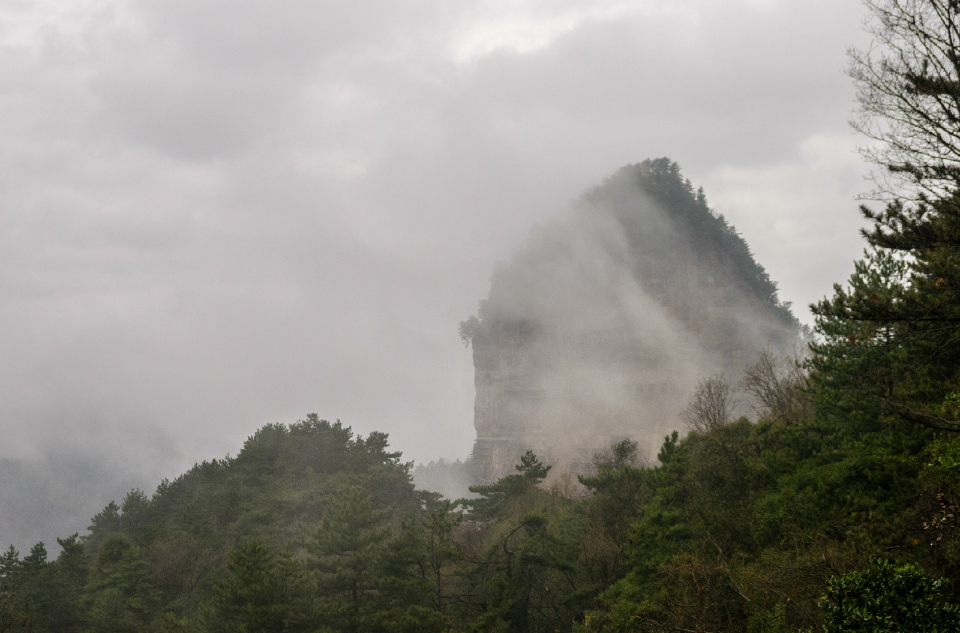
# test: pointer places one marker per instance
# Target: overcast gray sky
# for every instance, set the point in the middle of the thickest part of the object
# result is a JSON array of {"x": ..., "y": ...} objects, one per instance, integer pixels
[{"x": 216, "y": 214}]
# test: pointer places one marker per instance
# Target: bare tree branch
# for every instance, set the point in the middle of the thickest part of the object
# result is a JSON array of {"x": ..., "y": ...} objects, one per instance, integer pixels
[
  {"x": 779, "y": 388},
  {"x": 712, "y": 405}
]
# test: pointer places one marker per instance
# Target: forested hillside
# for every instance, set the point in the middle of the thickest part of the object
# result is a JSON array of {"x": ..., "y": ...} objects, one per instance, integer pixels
[{"x": 311, "y": 528}]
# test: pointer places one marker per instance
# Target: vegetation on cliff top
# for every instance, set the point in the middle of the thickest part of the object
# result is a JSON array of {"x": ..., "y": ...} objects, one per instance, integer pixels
[{"x": 639, "y": 197}]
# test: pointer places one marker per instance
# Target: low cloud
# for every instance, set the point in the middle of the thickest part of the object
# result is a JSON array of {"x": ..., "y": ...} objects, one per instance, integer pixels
[{"x": 215, "y": 215}]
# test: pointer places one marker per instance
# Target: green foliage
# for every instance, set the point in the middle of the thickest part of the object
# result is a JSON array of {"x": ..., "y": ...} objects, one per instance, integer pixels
[
  {"x": 39, "y": 595},
  {"x": 737, "y": 529},
  {"x": 369, "y": 579},
  {"x": 525, "y": 579},
  {"x": 524, "y": 571},
  {"x": 106, "y": 523},
  {"x": 872, "y": 366},
  {"x": 120, "y": 595},
  {"x": 260, "y": 592},
  {"x": 892, "y": 349},
  {"x": 14, "y": 613},
  {"x": 347, "y": 552},
  {"x": 495, "y": 499},
  {"x": 669, "y": 448},
  {"x": 64, "y": 584},
  {"x": 888, "y": 598},
  {"x": 183, "y": 539},
  {"x": 661, "y": 240},
  {"x": 769, "y": 621},
  {"x": 741, "y": 526},
  {"x": 620, "y": 489},
  {"x": 662, "y": 181},
  {"x": 434, "y": 551}
]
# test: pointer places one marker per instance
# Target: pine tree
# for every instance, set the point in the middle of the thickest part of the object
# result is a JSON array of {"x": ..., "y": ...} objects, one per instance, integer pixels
[
  {"x": 12, "y": 615},
  {"x": 496, "y": 498},
  {"x": 260, "y": 592},
  {"x": 64, "y": 583},
  {"x": 35, "y": 602},
  {"x": 120, "y": 596},
  {"x": 136, "y": 518},
  {"x": 347, "y": 555},
  {"x": 106, "y": 523},
  {"x": 891, "y": 345},
  {"x": 439, "y": 550},
  {"x": 411, "y": 594}
]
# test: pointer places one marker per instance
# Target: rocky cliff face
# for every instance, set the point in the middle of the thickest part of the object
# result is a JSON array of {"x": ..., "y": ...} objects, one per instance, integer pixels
[{"x": 601, "y": 325}]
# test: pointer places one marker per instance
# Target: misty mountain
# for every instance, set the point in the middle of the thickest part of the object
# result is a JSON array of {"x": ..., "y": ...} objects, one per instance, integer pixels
[
  {"x": 601, "y": 325},
  {"x": 55, "y": 495}
]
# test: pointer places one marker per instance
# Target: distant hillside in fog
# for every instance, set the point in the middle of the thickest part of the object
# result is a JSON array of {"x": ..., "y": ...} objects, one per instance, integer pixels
[{"x": 55, "y": 496}]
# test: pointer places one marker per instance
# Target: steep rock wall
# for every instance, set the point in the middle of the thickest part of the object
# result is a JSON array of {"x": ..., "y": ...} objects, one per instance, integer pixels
[{"x": 599, "y": 327}]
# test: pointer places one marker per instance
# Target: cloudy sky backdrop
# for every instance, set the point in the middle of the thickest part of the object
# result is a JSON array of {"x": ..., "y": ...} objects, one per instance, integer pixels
[{"x": 216, "y": 214}]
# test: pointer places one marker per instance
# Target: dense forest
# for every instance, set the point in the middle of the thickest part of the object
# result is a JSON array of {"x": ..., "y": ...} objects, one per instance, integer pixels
[
  {"x": 835, "y": 507},
  {"x": 745, "y": 526}
]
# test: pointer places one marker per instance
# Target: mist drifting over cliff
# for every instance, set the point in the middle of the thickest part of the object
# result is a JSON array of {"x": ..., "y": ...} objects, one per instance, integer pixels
[
  {"x": 217, "y": 215},
  {"x": 601, "y": 325}
]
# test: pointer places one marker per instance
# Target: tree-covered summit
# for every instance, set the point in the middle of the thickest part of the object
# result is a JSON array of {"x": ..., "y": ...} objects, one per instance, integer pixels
[
  {"x": 661, "y": 180},
  {"x": 673, "y": 239}
]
